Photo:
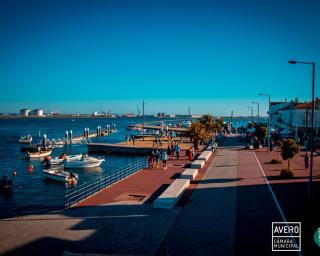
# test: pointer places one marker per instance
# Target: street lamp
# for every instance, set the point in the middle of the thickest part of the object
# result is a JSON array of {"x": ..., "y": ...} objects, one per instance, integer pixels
[
  {"x": 258, "y": 104},
  {"x": 251, "y": 108},
  {"x": 269, "y": 113},
  {"x": 312, "y": 118}
]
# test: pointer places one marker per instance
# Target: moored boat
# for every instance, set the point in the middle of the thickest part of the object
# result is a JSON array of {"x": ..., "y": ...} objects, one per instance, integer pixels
[
  {"x": 60, "y": 175},
  {"x": 39, "y": 154},
  {"x": 25, "y": 139},
  {"x": 63, "y": 158},
  {"x": 83, "y": 162}
]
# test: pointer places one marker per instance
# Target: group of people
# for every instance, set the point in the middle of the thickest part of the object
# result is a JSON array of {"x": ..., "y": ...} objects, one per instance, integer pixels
[{"x": 156, "y": 157}]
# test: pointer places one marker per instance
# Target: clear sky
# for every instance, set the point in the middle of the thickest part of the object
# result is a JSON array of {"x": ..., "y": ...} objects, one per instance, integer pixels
[{"x": 214, "y": 56}]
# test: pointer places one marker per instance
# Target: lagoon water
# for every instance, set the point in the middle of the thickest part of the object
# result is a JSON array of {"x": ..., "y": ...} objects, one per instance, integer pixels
[{"x": 34, "y": 193}]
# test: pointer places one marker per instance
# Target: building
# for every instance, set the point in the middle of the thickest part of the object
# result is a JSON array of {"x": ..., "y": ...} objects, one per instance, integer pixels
[
  {"x": 37, "y": 112},
  {"x": 25, "y": 112},
  {"x": 296, "y": 117}
]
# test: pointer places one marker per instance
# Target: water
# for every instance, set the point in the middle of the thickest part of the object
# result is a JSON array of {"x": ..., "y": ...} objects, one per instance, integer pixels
[{"x": 32, "y": 192}]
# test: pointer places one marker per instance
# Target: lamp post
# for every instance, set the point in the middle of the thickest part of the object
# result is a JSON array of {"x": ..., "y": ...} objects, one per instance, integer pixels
[
  {"x": 251, "y": 108},
  {"x": 269, "y": 116},
  {"x": 258, "y": 104},
  {"x": 144, "y": 120},
  {"x": 312, "y": 119}
]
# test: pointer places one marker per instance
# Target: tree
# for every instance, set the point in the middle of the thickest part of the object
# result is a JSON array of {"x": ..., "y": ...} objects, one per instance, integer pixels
[
  {"x": 208, "y": 123},
  {"x": 197, "y": 133},
  {"x": 219, "y": 124},
  {"x": 289, "y": 149},
  {"x": 261, "y": 132}
]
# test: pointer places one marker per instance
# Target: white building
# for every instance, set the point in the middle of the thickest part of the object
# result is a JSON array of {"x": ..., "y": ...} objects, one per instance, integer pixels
[{"x": 296, "y": 117}]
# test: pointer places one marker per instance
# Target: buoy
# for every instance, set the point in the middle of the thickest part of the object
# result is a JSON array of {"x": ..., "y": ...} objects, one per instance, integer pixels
[
  {"x": 14, "y": 173},
  {"x": 30, "y": 168}
]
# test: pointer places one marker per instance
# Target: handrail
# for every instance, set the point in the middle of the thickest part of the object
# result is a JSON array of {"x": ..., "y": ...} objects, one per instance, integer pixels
[{"x": 82, "y": 191}]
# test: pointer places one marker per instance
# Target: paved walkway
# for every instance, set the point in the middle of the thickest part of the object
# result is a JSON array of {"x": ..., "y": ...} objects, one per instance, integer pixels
[
  {"x": 231, "y": 207},
  {"x": 114, "y": 221}
]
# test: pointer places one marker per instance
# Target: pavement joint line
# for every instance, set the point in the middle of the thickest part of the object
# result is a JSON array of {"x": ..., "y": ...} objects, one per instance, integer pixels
[{"x": 275, "y": 198}]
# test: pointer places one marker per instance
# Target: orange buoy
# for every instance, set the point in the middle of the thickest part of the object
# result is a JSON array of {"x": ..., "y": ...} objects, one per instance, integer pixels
[{"x": 30, "y": 168}]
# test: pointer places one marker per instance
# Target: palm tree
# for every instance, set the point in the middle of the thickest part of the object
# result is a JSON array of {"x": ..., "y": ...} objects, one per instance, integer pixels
[
  {"x": 197, "y": 133},
  {"x": 208, "y": 123}
]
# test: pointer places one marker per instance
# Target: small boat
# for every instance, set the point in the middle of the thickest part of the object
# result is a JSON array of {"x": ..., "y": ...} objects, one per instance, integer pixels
[
  {"x": 83, "y": 162},
  {"x": 60, "y": 175},
  {"x": 25, "y": 139},
  {"x": 39, "y": 154},
  {"x": 61, "y": 159}
]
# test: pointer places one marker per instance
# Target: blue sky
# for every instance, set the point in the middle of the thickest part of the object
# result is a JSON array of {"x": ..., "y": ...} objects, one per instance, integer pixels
[{"x": 214, "y": 56}]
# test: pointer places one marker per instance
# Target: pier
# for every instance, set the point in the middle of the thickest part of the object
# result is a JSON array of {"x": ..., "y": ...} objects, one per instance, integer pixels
[
  {"x": 139, "y": 147},
  {"x": 158, "y": 127}
]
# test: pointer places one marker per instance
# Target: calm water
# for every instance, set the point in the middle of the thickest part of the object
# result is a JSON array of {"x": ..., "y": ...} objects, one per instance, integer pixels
[{"x": 32, "y": 192}]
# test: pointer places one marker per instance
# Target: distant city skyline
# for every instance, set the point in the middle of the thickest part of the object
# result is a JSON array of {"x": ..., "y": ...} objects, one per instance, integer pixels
[{"x": 214, "y": 56}]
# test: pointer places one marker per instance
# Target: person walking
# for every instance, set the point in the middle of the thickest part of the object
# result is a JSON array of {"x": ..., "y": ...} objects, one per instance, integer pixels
[
  {"x": 190, "y": 154},
  {"x": 133, "y": 140},
  {"x": 169, "y": 150},
  {"x": 157, "y": 157},
  {"x": 306, "y": 161},
  {"x": 177, "y": 151},
  {"x": 164, "y": 160},
  {"x": 152, "y": 159}
]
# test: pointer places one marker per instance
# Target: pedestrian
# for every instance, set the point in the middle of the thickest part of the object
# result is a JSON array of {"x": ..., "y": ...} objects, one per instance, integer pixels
[
  {"x": 306, "y": 161},
  {"x": 157, "y": 157},
  {"x": 164, "y": 159},
  {"x": 152, "y": 159},
  {"x": 271, "y": 145},
  {"x": 127, "y": 138},
  {"x": 169, "y": 150},
  {"x": 190, "y": 154},
  {"x": 177, "y": 151},
  {"x": 133, "y": 140}
]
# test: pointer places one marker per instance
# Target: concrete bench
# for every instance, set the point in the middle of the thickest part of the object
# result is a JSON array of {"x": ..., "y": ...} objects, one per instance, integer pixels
[
  {"x": 189, "y": 174},
  {"x": 169, "y": 198},
  {"x": 210, "y": 148},
  {"x": 205, "y": 155},
  {"x": 197, "y": 164}
]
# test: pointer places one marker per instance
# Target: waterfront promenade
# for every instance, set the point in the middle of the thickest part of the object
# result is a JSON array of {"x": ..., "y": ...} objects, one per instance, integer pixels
[{"x": 229, "y": 213}]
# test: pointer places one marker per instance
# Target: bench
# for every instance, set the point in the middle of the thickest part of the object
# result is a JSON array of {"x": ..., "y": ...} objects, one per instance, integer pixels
[
  {"x": 205, "y": 155},
  {"x": 197, "y": 164},
  {"x": 189, "y": 174},
  {"x": 169, "y": 198}
]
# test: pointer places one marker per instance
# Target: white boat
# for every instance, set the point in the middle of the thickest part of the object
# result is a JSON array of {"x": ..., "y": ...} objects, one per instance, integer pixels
[
  {"x": 25, "y": 139},
  {"x": 83, "y": 162},
  {"x": 39, "y": 154},
  {"x": 60, "y": 175},
  {"x": 58, "y": 160}
]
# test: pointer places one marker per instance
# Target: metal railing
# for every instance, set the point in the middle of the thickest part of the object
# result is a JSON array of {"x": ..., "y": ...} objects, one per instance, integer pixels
[{"x": 82, "y": 191}]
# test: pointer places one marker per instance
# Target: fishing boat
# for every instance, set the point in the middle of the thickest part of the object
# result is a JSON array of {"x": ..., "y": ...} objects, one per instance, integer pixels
[
  {"x": 83, "y": 162},
  {"x": 39, "y": 154},
  {"x": 60, "y": 175},
  {"x": 25, "y": 139}
]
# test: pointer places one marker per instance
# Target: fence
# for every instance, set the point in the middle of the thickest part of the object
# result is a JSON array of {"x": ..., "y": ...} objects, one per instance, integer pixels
[{"x": 74, "y": 195}]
